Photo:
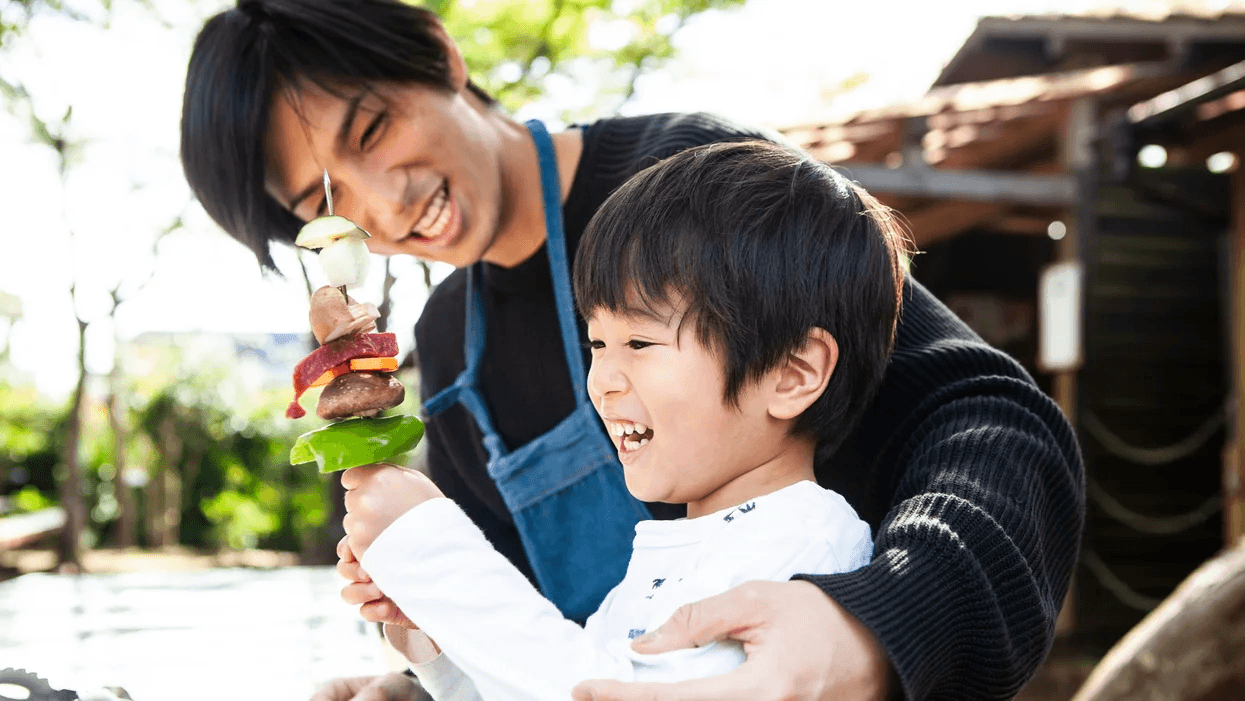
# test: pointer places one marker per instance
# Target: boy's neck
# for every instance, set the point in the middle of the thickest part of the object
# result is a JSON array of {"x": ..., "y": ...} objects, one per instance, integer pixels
[{"x": 792, "y": 465}]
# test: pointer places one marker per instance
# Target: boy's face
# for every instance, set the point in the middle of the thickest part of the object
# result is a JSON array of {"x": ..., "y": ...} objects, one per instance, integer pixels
[{"x": 660, "y": 394}]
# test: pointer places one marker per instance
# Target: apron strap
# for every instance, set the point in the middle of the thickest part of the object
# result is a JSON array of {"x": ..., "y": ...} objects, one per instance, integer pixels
[
  {"x": 464, "y": 387},
  {"x": 559, "y": 265}
]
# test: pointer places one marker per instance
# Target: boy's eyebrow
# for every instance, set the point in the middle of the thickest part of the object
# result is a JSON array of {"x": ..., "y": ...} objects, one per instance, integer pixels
[{"x": 648, "y": 314}]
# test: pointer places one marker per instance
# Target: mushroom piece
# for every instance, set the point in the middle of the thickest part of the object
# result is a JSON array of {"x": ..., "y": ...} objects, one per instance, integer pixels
[
  {"x": 334, "y": 315},
  {"x": 359, "y": 394}
]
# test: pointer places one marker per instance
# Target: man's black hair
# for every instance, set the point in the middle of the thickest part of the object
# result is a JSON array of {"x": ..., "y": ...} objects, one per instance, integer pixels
[
  {"x": 245, "y": 55},
  {"x": 755, "y": 244}
]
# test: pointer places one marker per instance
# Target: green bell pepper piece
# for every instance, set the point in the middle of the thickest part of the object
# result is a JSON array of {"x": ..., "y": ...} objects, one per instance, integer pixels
[{"x": 357, "y": 441}]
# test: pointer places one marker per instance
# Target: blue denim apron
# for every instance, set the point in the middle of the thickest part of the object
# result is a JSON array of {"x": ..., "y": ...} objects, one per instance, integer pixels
[{"x": 565, "y": 489}]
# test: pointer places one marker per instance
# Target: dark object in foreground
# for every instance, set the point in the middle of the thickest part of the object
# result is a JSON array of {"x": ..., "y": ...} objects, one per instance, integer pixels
[{"x": 38, "y": 689}]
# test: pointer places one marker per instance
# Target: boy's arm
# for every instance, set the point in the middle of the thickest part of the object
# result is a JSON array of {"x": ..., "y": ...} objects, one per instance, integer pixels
[
  {"x": 437, "y": 673},
  {"x": 512, "y": 643}
]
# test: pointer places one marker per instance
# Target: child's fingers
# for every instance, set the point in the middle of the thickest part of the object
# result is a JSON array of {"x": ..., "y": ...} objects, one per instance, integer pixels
[
  {"x": 344, "y": 551},
  {"x": 361, "y": 593},
  {"x": 385, "y": 611},
  {"x": 352, "y": 572}
]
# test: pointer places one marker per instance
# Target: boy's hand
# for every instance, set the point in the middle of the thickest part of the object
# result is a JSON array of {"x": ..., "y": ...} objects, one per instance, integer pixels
[
  {"x": 361, "y": 591},
  {"x": 800, "y": 644},
  {"x": 376, "y": 495}
]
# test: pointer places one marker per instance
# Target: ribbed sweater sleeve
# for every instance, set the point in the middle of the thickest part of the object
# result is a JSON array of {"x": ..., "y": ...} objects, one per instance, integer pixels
[{"x": 986, "y": 507}]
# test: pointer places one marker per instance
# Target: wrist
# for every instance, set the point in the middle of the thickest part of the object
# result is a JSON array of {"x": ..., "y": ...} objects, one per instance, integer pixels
[{"x": 414, "y": 644}]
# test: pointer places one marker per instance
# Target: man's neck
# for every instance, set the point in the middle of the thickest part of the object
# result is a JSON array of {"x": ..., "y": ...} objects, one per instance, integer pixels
[{"x": 521, "y": 228}]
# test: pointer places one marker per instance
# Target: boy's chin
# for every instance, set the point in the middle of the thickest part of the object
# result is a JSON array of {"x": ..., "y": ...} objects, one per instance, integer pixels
[{"x": 646, "y": 491}]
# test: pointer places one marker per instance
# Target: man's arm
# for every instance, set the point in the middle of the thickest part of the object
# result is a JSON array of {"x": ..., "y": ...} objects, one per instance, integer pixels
[{"x": 973, "y": 561}]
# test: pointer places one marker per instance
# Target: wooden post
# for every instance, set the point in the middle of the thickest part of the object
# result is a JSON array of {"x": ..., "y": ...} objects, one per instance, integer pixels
[
  {"x": 1233, "y": 472},
  {"x": 1077, "y": 160}
]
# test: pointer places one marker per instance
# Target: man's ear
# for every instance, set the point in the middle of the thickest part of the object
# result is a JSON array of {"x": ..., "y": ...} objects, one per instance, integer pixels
[
  {"x": 804, "y": 376},
  {"x": 453, "y": 58}
]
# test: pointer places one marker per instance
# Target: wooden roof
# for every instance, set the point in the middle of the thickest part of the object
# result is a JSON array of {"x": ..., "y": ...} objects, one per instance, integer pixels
[
  {"x": 1179, "y": 33},
  {"x": 1012, "y": 125}
]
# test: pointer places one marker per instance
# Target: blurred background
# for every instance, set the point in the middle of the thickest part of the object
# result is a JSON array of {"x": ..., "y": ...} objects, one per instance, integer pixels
[{"x": 1068, "y": 169}]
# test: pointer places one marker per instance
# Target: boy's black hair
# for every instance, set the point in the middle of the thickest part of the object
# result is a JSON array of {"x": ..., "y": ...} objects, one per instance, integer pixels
[
  {"x": 755, "y": 244},
  {"x": 245, "y": 55}
]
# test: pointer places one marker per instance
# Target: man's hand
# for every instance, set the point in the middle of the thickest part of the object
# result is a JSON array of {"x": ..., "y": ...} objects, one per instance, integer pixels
[
  {"x": 361, "y": 591},
  {"x": 800, "y": 645},
  {"x": 376, "y": 495},
  {"x": 390, "y": 687}
]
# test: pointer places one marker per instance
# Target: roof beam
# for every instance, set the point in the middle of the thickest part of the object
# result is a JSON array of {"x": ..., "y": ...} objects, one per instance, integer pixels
[
  {"x": 945, "y": 220},
  {"x": 977, "y": 185}
]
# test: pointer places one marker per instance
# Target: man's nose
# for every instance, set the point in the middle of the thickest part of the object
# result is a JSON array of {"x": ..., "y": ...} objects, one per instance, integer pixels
[{"x": 375, "y": 201}]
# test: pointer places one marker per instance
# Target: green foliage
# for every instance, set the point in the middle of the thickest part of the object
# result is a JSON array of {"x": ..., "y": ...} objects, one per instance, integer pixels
[
  {"x": 29, "y": 498},
  {"x": 513, "y": 46},
  {"x": 28, "y": 432},
  {"x": 237, "y": 486},
  {"x": 228, "y": 448},
  {"x": 17, "y": 14}
]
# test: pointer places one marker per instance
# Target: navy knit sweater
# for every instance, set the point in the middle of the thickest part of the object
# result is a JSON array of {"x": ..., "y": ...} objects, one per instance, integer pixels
[{"x": 970, "y": 477}]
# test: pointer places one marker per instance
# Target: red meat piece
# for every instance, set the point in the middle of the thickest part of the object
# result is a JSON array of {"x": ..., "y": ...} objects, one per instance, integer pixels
[{"x": 342, "y": 350}]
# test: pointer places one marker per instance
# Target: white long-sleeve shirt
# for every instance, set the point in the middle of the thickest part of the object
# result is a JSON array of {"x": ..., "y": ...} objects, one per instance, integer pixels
[{"x": 498, "y": 632}]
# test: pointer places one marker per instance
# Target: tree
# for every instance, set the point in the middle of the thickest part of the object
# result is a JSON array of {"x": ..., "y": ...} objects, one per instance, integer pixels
[{"x": 513, "y": 47}]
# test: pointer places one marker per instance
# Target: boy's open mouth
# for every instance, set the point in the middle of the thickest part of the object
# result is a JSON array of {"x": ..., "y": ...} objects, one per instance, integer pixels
[{"x": 634, "y": 435}]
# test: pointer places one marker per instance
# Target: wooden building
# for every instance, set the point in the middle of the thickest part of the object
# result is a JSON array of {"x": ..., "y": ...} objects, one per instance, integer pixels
[{"x": 1072, "y": 185}]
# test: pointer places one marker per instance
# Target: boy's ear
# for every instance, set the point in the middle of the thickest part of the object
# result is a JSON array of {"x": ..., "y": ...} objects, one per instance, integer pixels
[
  {"x": 453, "y": 58},
  {"x": 805, "y": 375}
]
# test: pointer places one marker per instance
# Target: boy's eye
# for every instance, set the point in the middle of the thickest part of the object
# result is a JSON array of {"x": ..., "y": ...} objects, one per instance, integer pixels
[
  {"x": 595, "y": 344},
  {"x": 637, "y": 345}
]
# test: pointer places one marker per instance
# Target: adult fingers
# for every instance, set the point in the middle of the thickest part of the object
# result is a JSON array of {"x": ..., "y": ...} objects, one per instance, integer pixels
[
  {"x": 340, "y": 689},
  {"x": 699, "y": 623},
  {"x": 399, "y": 687},
  {"x": 733, "y": 686}
]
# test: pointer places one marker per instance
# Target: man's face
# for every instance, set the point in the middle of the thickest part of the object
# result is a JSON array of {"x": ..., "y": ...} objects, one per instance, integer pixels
[
  {"x": 660, "y": 393},
  {"x": 416, "y": 167}
]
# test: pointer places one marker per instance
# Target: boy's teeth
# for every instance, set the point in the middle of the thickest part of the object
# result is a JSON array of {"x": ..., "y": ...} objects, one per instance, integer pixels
[
  {"x": 617, "y": 430},
  {"x": 639, "y": 428},
  {"x": 643, "y": 442}
]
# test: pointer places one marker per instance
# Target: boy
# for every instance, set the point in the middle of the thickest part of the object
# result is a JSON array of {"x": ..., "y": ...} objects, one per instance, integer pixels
[{"x": 741, "y": 303}]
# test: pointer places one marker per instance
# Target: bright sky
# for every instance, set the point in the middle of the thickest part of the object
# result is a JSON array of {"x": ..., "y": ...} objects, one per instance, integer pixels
[{"x": 771, "y": 62}]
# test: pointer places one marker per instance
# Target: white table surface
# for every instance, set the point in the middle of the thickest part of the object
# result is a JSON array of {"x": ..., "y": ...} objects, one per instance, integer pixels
[{"x": 236, "y": 633}]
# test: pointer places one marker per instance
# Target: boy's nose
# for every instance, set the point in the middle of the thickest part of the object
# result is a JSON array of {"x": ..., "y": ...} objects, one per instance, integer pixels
[{"x": 605, "y": 378}]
